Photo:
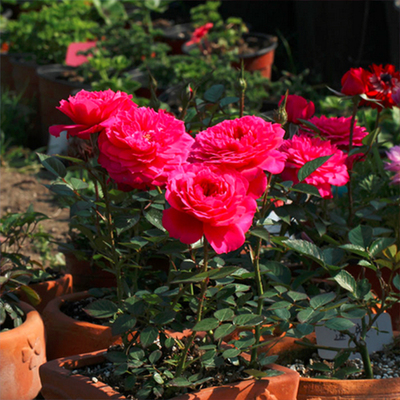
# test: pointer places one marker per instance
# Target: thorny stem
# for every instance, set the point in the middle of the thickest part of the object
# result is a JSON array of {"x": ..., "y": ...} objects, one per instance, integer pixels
[
  {"x": 349, "y": 184},
  {"x": 199, "y": 314}
]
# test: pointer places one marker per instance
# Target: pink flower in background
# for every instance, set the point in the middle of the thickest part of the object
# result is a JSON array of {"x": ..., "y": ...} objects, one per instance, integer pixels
[
  {"x": 302, "y": 149},
  {"x": 394, "y": 165},
  {"x": 248, "y": 144},
  {"x": 382, "y": 82},
  {"x": 337, "y": 130},
  {"x": 142, "y": 146},
  {"x": 396, "y": 97},
  {"x": 298, "y": 107},
  {"x": 199, "y": 33},
  {"x": 355, "y": 81},
  {"x": 210, "y": 201},
  {"x": 91, "y": 111}
]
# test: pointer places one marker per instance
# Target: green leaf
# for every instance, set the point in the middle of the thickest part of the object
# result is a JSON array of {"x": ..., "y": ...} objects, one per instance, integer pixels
[
  {"x": 256, "y": 373},
  {"x": 359, "y": 250},
  {"x": 361, "y": 236},
  {"x": 226, "y": 314},
  {"x": 101, "y": 309},
  {"x": 228, "y": 100},
  {"x": 116, "y": 356},
  {"x": 164, "y": 317},
  {"x": 123, "y": 323},
  {"x": 78, "y": 184},
  {"x": 306, "y": 188},
  {"x": 311, "y": 166},
  {"x": 180, "y": 382},
  {"x": 309, "y": 315},
  {"x": 396, "y": 281},
  {"x": 339, "y": 324},
  {"x": 31, "y": 294},
  {"x": 320, "y": 367},
  {"x": 248, "y": 320},
  {"x": 296, "y": 296},
  {"x": 224, "y": 330},
  {"x": 371, "y": 137},
  {"x": 322, "y": 299},
  {"x": 206, "y": 324},
  {"x": 280, "y": 304},
  {"x": 53, "y": 165},
  {"x": 306, "y": 248},
  {"x": 155, "y": 356},
  {"x": 341, "y": 358},
  {"x": 345, "y": 280},
  {"x": 380, "y": 244},
  {"x": 154, "y": 216},
  {"x": 148, "y": 336},
  {"x": 261, "y": 233},
  {"x": 231, "y": 353},
  {"x": 123, "y": 223},
  {"x": 157, "y": 377},
  {"x": 214, "y": 93},
  {"x": 362, "y": 289},
  {"x": 277, "y": 272},
  {"x": 266, "y": 360}
]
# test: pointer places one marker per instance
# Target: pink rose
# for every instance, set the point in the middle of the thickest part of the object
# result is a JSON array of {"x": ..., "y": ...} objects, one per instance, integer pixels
[
  {"x": 355, "y": 81},
  {"x": 394, "y": 164},
  {"x": 91, "y": 111},
  {"x": 142, "y": 146},
  {"x": 199, "y": 33},
  {"x": 302, "y": 149},
  {"x": 210, "y": 201},
  {"x": 337, "y": 130},
  {"x": 396, "y": 97},
  {"x": 248, "y": 144},
  {"x": 298, "y": 107}
]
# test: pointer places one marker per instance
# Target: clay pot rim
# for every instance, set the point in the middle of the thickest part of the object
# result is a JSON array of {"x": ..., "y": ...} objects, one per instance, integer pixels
[
  {"x": 31, "y": 315},
  {"x": 347, "y": 382},
  {"x": 65, "y": 364},
  {"x": 54, "y": 307},
  {"x": 64, "y": 277}
]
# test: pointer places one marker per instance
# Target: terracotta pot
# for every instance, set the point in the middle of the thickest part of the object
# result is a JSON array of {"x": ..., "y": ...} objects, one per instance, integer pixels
[
  {"x": 67, "y": 336},
  {"x": 22, "y": 351},
  {"x": 49, "y": 290},
  {"x": 361, "y": 389},
  {"x": 263, "y": 59},
  {"x": 6, "y": 78},
  {"x": 87, "y": 275},
  {"x": 52, "y": 89},
  {"x": 58, "y": 383}
]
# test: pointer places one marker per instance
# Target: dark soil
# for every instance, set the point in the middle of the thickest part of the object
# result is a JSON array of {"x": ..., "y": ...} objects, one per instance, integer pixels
[{"x": 75, "y": 310}]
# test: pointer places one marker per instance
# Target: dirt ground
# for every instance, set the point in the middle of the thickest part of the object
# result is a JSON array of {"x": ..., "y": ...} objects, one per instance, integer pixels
[{"x": 18, "y": 191}]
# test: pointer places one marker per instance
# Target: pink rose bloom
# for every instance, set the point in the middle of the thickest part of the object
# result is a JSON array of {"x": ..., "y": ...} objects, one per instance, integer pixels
[
  {"x": 210, "y": 201},
  {"x": 199, "y": 33},
  {"x": 298, "y": 107},
  {"x": 248, "y": 144},
  {"x": 394, "y": 165},
  {"x": 302, "y": 149},
  {"x": 355, "y": 81},
  {"x": 91, "y": 111},
  {"x": 337, "y": 130},
  {"x": 142, "y": 146}
]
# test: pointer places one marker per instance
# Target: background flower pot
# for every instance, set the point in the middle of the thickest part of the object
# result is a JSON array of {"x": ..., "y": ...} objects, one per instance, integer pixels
[
  {"x": 52, "y": 89},
  {"x": 361, "y": 389},
  {"x": 59, "y": 383},
  {"x": 67, "y": 336},
  {"x": 262, "y": 59},
  {"x": 22, "y": 351},
  {"x": 87, "y": 275},
  {"x": 6, "y": 78},
  {"x": 49, "y": 290}
]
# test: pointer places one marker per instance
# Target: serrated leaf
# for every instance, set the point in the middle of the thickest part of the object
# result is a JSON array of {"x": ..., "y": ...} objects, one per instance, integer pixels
[
  {"x": 339, "y": 324},
  {"x": 322, "y": 299},
  {"x": 296, "y": 296},
  {"x": 345, "y": 280},
  {"x": 154, "y": 216},
  {"x": 214, "y": 93},
  {"x": 224, "y": 330},
  {"x": 308, "y": 168},
  {"x": 261, "y": 233},
  {"x": 53, "y": 165},
  {"x": 102, "y": 308},
  {"x": 361, "y": 236},
  {"x": 248, "y": 320},
  {"x": 225, "y": 314},
  {"x": 207, "y": 324},
  {"x": 123, "y": 323},
  {"x": 306, "y": 248},
  {"x": 231, "y": 353},
  {"x": 148, "y": 336}
]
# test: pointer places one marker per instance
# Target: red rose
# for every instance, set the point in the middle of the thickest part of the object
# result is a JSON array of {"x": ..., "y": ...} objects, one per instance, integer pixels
[
  {"x": 355, "y": 81},
  {"x": 298, "y": 107},
  {"x": 91, "y": 111},
  {"x": 210, "y": 201}
]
